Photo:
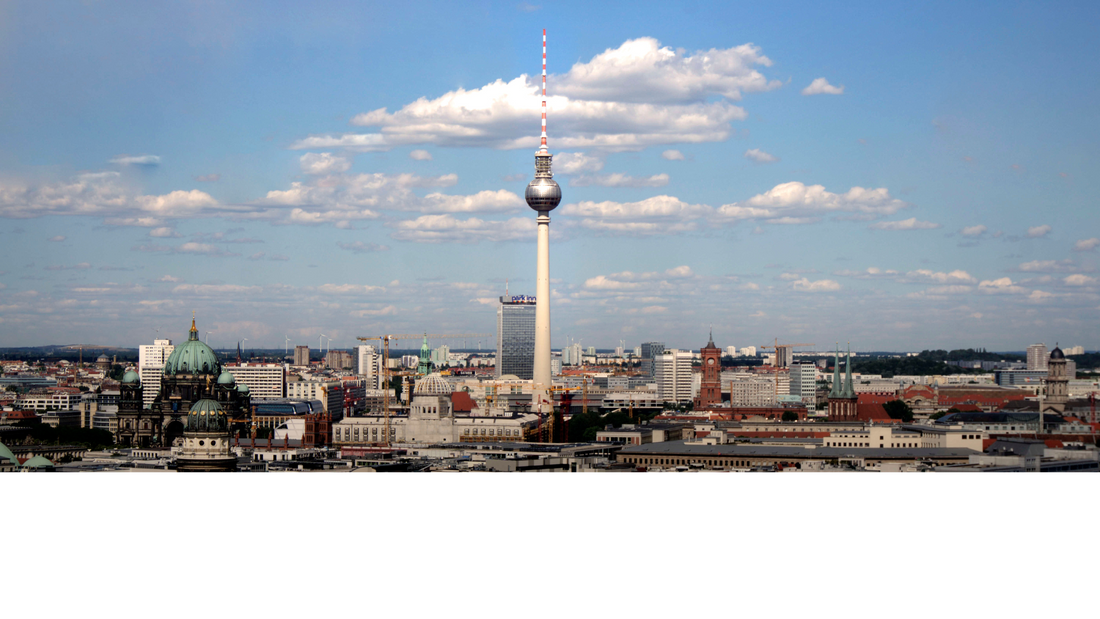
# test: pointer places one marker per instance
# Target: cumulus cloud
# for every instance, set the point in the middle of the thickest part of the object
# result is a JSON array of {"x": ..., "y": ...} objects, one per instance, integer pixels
[
  {"x": 1038, "y": 232},
  {"x": 576, "y": 163},
  {"x": 760, "y": 156},
  {"x": 821, "y": 86},
  {"x": 672, "y": 155},
  {"x": 101, "y": 194},
  {"x": 637, "y": 95},
  {"x": 359, "y": 247},
  {"x": 1003, "y": 285},
  {"x": 821, "y": 285},
  {"x": 56, "y": 239},
  {"x": 170, "y": 279},
  {"x": 1079, "y": 280},
  {"x": 350, "y": 289},
  {"x": 190, "y": 247},
  {"x": 869, "y": 273},
  {"x": 795, "y": 202},
  {"x": 1086, "y": 244},
  {"x": 138, "y": 160},
  {"x": 447, "y": 228},
  {"x": 420, "y": 155},
  {"x": 324, "y": 163},
  {"x": 925, "y": 276},
  {"x": 164, "y": 232},
  {"x": 905, "y": 224},
  {"x": 974, "y": 231},
  {"x": 619, "y": 180}
]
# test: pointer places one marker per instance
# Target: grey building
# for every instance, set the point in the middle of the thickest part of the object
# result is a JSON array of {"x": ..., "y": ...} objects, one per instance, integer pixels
[
  {"x": 1019, "y": 378},
  {"x": 650, "y": 351},
  {"x": 516, "y": 337}
]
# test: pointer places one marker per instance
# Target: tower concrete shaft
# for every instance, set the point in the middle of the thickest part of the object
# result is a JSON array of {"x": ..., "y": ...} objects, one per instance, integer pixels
[{"x": 543, "y": 195}]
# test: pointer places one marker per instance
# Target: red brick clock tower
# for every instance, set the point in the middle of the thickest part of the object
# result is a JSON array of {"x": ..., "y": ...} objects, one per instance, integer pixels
[{"x": 710, "y": 388}]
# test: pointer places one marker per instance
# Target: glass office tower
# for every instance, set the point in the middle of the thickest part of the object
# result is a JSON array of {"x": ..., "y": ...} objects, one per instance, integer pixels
[{"x": 516, "y": 336}]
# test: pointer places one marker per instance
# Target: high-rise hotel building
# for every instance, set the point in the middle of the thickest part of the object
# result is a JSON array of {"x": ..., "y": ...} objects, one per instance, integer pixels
[{"x": 516, "y": 337}]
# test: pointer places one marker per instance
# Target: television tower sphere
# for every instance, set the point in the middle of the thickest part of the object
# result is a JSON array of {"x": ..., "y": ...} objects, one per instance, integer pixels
[{"x": 543, "y": 193}]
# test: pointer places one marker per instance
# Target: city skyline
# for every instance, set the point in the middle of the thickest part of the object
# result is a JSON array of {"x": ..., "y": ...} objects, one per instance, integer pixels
[{"x": 291, "y": 175}]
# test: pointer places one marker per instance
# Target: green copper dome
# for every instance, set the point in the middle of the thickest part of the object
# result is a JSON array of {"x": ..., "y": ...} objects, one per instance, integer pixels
[
  {"x": 226, "y": 378},
  {"x": 193, "y": 357},
  {"x": 131, "y": 378},
  {"x": 6, "y": 453},
  {"x": 37, "y": 462},
  {"x": 242, "y": 388},
  {"x": 207, "y": 416}
]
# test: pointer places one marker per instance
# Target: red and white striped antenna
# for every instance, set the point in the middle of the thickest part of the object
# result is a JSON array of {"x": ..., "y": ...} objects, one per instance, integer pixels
[{"x": 543, "y": 148}]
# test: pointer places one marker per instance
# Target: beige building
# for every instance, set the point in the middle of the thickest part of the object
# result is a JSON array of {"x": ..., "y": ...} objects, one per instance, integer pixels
[{"x": 264, "y": 380}]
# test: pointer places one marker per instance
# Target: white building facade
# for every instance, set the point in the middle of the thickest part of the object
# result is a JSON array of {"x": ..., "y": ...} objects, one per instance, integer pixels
[
  {"x": 672, "y": 370},
  {"x": 151, "y": 360}
]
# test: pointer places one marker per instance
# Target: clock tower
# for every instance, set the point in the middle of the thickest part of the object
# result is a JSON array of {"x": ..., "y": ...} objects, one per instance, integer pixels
[{"x": 710, "y": 388}]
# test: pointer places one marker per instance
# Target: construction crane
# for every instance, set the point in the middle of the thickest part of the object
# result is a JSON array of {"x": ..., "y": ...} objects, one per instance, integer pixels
[
  {"x": 778, "y": 363},
  {"x": 385, "y": 340}
]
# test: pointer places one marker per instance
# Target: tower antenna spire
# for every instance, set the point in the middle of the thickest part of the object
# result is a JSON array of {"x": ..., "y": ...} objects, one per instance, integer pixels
[{"x": 543, "y": 139}]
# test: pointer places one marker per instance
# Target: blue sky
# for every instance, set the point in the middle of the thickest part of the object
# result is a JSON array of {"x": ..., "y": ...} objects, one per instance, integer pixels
[{"x": 902, "y": 176}]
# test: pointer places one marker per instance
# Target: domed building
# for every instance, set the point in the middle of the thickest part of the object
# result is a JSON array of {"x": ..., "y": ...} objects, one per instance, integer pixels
[
  {"x": 191, "y": 373},
  {"x": 206, "y": 439}
]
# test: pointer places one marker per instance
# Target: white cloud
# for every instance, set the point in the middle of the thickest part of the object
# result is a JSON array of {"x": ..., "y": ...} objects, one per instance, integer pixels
[
  {"x": 629, "y": 98},
  {"x": 139, "y": 160},
  {"x": 926, "y": 276},
  {"x": 672, "y": 155},
  {"x": 905, "y": 224},
  {"x": 1003, "y": 285},
  {"x": 101, "y": 194},
  {"x": 821, "y": 285},
  {"x": 795, "y": 202},
  {"x": 974, "y": 230},
  {"x": 1048, "y": 266},
  {"x": 446, "y": 228},
  {"x": 420, "y": 155},
  {"x": 760, "y": 156},
  {"x": 575, "y": 163},
  {"x": 870, "y": 273},
  {"x": 324, "y": 163},
  {"x": 1039, "y": 296},
  {"x": 170, "y": 279},
  {"x": 164, "y": 232},
  {"x": 619, "y": 180},
  {"x": 821, "y": 86},
  {"x": 1086, "y": 244},
  {"x": 1038, "y": 232},
  {"x": 56, "y": 239},
  {"x": 662, "y": 207},
  {"x": 1079, "y": 280}
]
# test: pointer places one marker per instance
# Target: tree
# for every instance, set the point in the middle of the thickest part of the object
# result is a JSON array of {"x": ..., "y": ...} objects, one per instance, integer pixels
[
  {"x": 934, "y": 416},
  {"x": 898, "y": 409},
  {"x": 790, "y": 416},
  {"x": 396, "y": 385}
]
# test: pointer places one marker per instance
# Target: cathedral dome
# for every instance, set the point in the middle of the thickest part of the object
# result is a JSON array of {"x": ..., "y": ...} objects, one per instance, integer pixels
[
  {"x": 131, "y": 378},
  {"x": 1057, "y": 353},
  {"x": 193, "y": 357},
  {"x": 207, "y": 416},
  {"x": 242, "y": 388},
  {"x": 227, "y": 378},
  {"x": 433, "y": 384}
]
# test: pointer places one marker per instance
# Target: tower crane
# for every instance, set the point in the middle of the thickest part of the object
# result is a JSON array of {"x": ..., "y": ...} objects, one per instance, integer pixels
[{"x": 385, "y": 340}]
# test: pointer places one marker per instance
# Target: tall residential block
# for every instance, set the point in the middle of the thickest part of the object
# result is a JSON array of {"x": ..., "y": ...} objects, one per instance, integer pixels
[
  {"x": 1037, "y": 357},
  {"x": 301, "y": 355},
  {"x": 151, "y": 360}
]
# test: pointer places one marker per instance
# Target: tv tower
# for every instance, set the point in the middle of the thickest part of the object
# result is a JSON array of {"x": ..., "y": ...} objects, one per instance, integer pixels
[{"x": 543, "y": 195}]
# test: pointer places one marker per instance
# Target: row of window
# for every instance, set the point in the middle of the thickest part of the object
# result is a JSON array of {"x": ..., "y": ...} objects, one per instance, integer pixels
[{"x": 492, "y": 432}]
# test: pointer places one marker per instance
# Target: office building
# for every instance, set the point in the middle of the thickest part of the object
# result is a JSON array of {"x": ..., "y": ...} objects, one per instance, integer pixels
[
  {"x": 151, "y": 360},
  {"x": 803, "y": 383},
  {"x": 1019, "y": 378},
  {"x": 1037, "y": 357},
  {"x": 330, "y": 393},
  {"x": 516, "y": 316},
  {"x": 264, "y": 380},
  {"x": 301, "y": 355},
  {"x": 650, "y": 351}
]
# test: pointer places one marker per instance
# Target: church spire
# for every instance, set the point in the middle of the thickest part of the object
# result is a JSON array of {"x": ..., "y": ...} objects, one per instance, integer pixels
[
  {"x": 835, "y": 391},
  {"x": 849, "y": 392},
  {"x": 194, "y": 334}
]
